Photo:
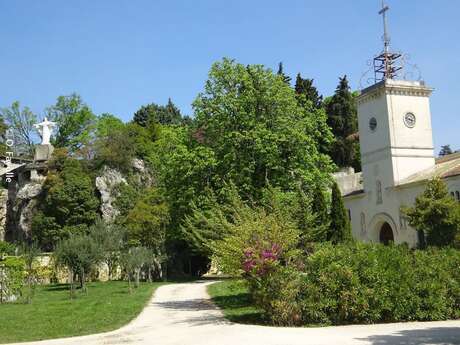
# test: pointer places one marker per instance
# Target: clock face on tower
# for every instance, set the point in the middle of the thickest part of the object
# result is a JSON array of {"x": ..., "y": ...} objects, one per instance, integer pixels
[{"x": 409, "y": 120}]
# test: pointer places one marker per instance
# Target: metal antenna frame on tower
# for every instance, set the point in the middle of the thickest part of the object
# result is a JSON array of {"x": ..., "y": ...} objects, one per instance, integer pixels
[{"x": 386, "y": 64}]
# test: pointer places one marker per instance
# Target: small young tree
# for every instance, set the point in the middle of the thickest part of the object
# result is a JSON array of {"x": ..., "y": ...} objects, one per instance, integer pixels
[
  {"x": 79, "y": 253},
  {"x": 339, "y": 230},
  {"x": 435, "y": 214},
  {"x": 132, "y": 261},
  {"x": 30, "y": 254},
  {"x": 110, "y": 239}
]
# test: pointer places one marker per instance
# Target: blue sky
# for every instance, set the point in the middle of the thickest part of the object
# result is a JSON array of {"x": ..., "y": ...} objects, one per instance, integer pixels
[{"x": 120, "y": 54}]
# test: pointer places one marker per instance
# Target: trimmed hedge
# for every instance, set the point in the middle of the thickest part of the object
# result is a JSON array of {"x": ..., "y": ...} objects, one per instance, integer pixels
[{"x": 362, "y": 283}]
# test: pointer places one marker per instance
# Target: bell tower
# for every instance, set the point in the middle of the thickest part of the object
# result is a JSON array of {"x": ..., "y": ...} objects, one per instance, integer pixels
[{"x": 394, "y": 122}]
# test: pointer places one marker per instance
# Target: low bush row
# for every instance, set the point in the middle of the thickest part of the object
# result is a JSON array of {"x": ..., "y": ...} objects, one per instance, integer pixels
[{"x": 361, "y": 283}]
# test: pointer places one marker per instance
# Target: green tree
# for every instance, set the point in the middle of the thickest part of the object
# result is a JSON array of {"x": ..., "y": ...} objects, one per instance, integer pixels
[
  {"x": 79, "y": 253},
  {"x": 132, "y": 261},
  {"x": 284, "y": 77},
  {"x": 257, "y": 131},
  {"x": 305, "y": 87},
  {"x": 435, "y": 214},
  {"x": 339, "y": 230},
  {"x": 146, "y": 222},
  {"x": 342, "y": 119},
  {"x": 185, "y": 169},
  {"x": 69, "y": 204},
  {"x": 168, "y": 114},
  {"x": 106, "y": 124},
  {"x": 30, "y": 255},
  {"x": 319, "y": 208},
  {"x": 21, "y": 123},
  {"x": 253, "y": 231},
  {"x": 309, "y": 99},
  {"x": 110, "y": 238},
  {"x": 75, "y": 122},
  {"x": 445, "y": 150}
]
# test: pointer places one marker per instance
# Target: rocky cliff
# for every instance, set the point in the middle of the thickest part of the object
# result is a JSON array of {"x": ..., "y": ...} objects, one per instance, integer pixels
[
  {"x": 19, "y": 202},
  {"x": 109, "y": 179}
]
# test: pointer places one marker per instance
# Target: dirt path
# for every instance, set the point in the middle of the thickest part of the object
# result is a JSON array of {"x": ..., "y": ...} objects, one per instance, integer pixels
[{"x": 182, "y": 314}]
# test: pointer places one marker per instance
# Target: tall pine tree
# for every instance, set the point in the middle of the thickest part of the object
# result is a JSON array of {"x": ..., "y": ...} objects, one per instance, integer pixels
[
  {"x": 305, "y": 87},
  {"x": 445, "y": 150},
  {"x": 153, "y": 113},
  {"x": 339, "y": 229},
  {"x": 286, "y": 78},
  {"x": 343, "y": 120}
]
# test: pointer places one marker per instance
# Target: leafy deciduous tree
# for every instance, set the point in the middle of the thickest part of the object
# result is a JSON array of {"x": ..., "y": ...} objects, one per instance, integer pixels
[
  {"x": 75, "y": 122},
  {"x": 21, "y": 123},
  {"x": 436, "y": 214},
  {"x": 257, "y": 131}
]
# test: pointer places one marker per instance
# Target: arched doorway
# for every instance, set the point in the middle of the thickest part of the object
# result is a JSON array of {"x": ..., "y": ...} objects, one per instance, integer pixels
[{"x": 386, "y": 234}]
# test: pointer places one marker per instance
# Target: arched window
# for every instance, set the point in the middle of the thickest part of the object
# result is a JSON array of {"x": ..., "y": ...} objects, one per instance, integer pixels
[
  {"x": 363, "y": 223},
  {"x": 379, "y": 192},
  {"x": 457, "y": 195}
]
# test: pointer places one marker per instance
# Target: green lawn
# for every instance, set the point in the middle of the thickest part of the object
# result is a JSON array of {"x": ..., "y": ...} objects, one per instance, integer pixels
[
  {"x": 107, "y": 306},
  {"x": 233, "y": 298}
]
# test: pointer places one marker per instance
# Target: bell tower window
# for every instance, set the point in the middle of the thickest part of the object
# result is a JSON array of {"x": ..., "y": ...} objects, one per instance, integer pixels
[{"x": 379, "y": 192}]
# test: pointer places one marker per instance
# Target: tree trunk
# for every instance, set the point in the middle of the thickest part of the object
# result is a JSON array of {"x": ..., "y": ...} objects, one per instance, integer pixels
[
  {"x": 110, "y": 268},
  {"x": 82, "y": 281},
  {"x": 137, "y": 277},
  {"x": 149, "y": 273},
  {"x": 71, "y": 283},
  {"x": 129, "y": 283}
]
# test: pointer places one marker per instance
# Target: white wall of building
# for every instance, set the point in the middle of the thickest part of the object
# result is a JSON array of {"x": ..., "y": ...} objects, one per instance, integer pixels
[{"x": 390, "y": 153}]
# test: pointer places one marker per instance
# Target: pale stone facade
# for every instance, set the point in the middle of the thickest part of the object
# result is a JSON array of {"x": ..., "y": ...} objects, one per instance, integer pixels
[{"x": 397, "y": 160}]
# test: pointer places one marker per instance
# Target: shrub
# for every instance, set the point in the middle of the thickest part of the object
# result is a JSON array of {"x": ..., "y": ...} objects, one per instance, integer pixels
[
  {"x": 366, "y": 283},
  {"x": 277, "y": 294},
  {"x": 6, "y": 249},
  {"x": 12, "y": 276},
  {"x": 356, "y": 283},
  {"x": 262, "y": 246}
]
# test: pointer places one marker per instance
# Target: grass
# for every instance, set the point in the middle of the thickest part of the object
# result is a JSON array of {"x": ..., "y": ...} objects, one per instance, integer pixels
[
  {"x": 232, "y": 296},
  {"x": 106, "y": 307}
]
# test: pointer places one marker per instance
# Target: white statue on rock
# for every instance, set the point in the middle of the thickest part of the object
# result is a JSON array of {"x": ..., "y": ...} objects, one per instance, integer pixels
[{"x": 45, "y": 129}]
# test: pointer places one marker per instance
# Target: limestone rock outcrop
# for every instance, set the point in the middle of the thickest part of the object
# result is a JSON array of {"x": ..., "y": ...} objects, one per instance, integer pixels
[
  {"x": 142, "y": 174},
  {"x": 109, "y": 179},
  {"x": 24, "y": 206},
  {"x": 106, "y": 184}
]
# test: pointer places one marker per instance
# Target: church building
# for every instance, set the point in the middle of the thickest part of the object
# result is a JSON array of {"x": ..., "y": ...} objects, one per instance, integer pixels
[{"x": 397, "y": 155}]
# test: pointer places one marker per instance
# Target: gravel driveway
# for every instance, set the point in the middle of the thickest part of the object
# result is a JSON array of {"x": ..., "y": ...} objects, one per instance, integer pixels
[{"x": 182, "y": 314}]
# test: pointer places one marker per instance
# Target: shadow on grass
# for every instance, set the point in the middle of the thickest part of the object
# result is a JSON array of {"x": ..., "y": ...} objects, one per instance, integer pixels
[
  {"x": 239, "y": 308},
  {"x": 57, "y": 287}
]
